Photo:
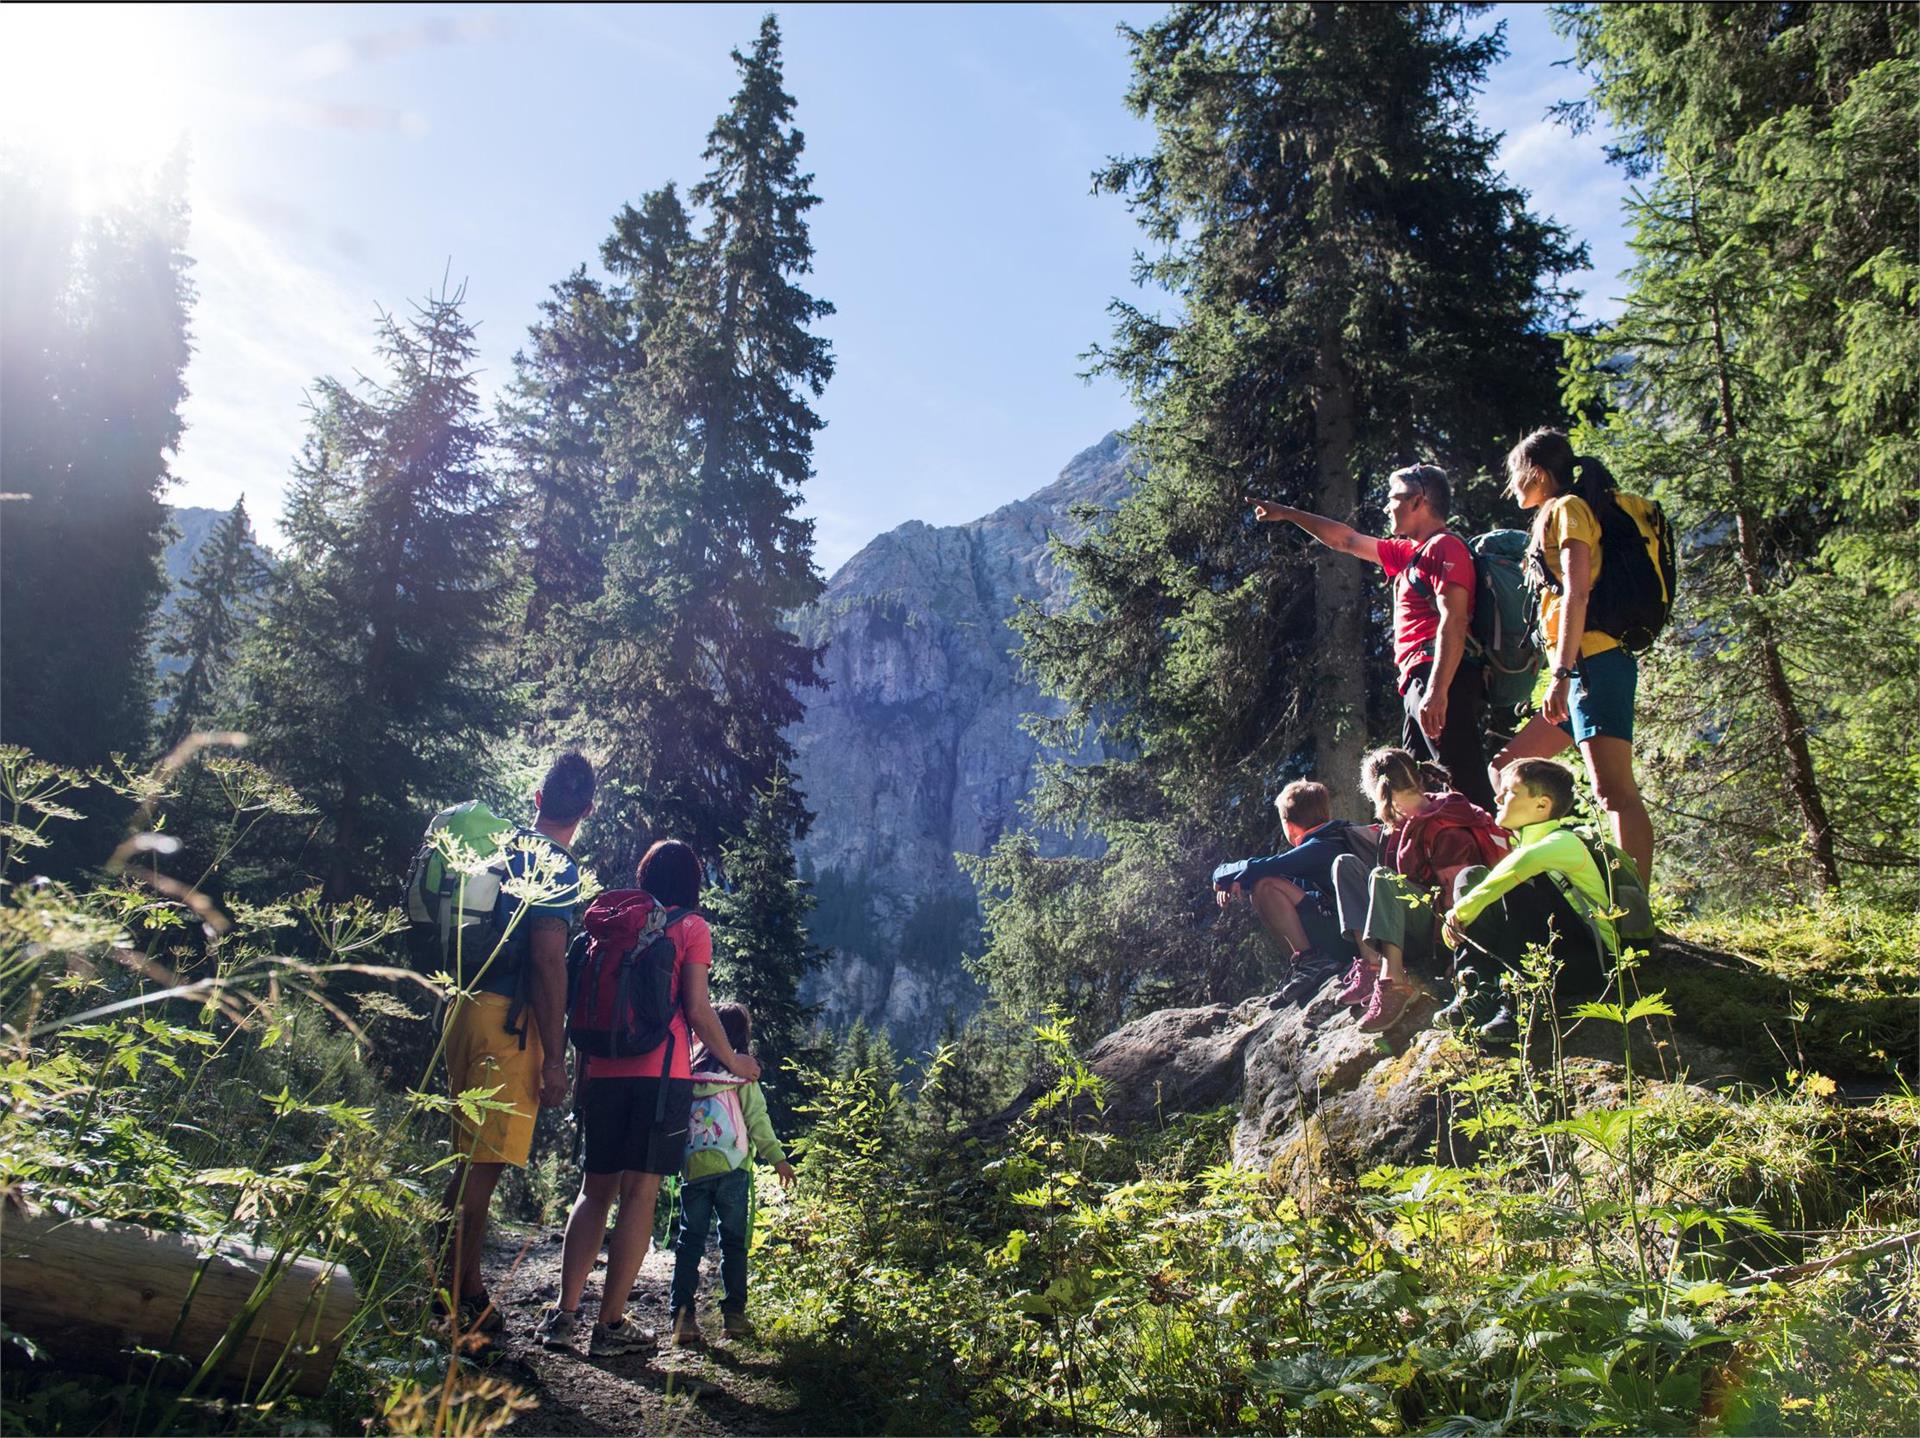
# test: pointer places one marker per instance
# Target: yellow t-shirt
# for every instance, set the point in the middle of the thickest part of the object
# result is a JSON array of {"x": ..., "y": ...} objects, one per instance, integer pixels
[{"x": 1563, "y": 518}]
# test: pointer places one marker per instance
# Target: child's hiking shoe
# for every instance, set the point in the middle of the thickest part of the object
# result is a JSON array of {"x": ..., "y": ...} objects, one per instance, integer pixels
[
  {"x": 559, "y": 1329},
  {"x": 1502, "y": 1029},
  {"x": 737, "y": 1324},
  {"x": 1472, "y": 1005},
  {"x": 612, "y": 1340},
  {"x": 1311, "y": 970},
  {"x": 1361, "y": 978},
  {"x": 1384, "y": 1008},
  {"x": 685, "y": 1332}
]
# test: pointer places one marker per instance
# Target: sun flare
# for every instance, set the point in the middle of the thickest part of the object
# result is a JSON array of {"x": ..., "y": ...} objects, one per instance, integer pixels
[{"x": 91, "y": 92}]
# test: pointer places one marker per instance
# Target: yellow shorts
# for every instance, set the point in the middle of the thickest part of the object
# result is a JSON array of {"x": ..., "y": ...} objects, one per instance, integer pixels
[{"x": 482, "y": 1054}]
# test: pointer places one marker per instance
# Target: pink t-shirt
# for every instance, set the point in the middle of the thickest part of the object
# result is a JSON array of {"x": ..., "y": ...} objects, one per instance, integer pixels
[
  {"x": 1445, "y": 559},
  {"x": 692, "y": 944}
]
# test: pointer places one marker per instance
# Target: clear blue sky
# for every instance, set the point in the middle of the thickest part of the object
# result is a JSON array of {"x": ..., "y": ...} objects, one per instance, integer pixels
[{"x": 345, "y": 156}]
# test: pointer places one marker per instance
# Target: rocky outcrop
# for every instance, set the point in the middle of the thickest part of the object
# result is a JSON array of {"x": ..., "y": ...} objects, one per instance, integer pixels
[
  {"x": 916, "y": 750},
  {"x": 1315, "y": 1094}
]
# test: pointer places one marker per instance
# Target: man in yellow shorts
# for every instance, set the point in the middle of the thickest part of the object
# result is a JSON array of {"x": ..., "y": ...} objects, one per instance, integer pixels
[{"x": 493, "y": 1043}]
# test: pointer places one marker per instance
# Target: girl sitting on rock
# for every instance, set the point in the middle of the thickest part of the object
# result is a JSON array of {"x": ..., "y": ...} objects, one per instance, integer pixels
[{"x": 1393, "y": 913}]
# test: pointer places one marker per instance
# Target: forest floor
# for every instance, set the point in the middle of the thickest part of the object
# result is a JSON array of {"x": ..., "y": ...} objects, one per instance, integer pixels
[{"x": 727, "y": 1388}]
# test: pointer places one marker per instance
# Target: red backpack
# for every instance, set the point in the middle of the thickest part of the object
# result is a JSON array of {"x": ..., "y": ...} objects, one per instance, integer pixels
[
  {"x": 1454, "y": 833},
  {"x": 620, "y": 990}
]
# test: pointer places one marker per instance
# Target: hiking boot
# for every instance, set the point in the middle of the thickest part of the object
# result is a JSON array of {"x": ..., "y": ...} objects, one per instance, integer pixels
[
  {"x": 1384, "y": 1008},
  {"x": 559, "y": 1329},
  {"x": 1311, "y": 970},
  {"x": 1361, "y": 978},
  {"x": 1471, "y": 1005},
  {"x": 738, "y": 1325},
  {"x": 685, "y": 1332},
  {"x": 612, "y": 1340},
  {"x": 1503, "y": 1028}
]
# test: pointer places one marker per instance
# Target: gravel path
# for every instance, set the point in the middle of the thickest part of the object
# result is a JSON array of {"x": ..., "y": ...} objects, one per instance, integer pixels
[{"x": 729, "y": 1388}]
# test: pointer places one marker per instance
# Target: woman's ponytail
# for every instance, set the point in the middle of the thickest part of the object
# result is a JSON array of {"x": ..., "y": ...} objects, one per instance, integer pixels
[
  {"x": 1593, "y": 481},
  {"x": 1550, "y": 452}
]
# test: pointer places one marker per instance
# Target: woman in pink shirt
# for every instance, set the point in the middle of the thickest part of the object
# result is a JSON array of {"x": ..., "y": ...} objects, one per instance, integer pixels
[{"x": 634, "y": 1112}]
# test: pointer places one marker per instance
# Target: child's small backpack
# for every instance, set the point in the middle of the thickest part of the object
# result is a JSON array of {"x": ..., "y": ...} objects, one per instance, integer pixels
[
  {"x": 718, "y": 1124},
  {"x": 1363, "y": 842},
  {"x": 620, "y": 993},
  {"x": 1633, "y": 910}
]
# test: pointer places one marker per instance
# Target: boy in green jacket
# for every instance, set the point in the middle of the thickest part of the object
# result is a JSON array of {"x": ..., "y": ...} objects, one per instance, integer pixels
[
  {"x": 1548, "y": 890},
  {"x": 729, "y": 1127}
]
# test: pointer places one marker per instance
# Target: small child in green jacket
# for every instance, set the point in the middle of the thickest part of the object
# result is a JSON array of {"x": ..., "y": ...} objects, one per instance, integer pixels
[{"x": 729, "y": 1127}]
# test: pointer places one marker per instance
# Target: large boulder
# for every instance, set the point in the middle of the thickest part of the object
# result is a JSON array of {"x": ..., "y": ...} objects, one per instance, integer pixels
[{"x": 1314, "y": 1091}]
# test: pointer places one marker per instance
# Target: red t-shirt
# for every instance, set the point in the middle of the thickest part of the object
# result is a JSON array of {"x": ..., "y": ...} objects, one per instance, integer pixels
[
  {"x": 1444, "y": 559},
  {"x": 692, "y": 944}
]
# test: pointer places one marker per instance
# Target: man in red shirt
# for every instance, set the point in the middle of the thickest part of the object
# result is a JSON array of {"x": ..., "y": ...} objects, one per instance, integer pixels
[{"x": 1431, "y": 572}]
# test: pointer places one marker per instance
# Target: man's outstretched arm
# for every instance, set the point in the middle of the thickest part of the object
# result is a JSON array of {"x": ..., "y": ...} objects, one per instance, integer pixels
[{"x": 1330, "y": 532}]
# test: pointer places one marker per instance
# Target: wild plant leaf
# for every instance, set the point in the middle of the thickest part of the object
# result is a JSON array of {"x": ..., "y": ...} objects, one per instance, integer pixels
[
  {"x": 1605, "y": 1012},
  {"x": 1649, "y": 1006}
]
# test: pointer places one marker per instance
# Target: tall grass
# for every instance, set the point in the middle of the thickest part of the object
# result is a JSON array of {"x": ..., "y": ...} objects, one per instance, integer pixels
[{"x": 225, "y": 1070}]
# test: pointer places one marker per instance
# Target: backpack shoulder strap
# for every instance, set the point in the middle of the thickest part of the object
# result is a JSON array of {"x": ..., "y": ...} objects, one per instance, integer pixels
[{"x": 1412, "y": 572}]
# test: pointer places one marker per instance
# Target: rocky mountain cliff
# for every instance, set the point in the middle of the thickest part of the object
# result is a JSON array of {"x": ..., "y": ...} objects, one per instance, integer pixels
[{"x": 916, "y": 751}]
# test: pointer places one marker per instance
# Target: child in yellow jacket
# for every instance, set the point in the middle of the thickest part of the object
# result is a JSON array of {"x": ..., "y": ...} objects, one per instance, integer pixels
[{"x": 729, "y": 1128}]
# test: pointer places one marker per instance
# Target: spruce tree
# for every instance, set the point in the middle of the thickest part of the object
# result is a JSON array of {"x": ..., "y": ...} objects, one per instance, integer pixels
[
  {"x": 220, "y": 598},
  {"x": 93, "y": 353},
  {"x": 1771, "y": 400},
  {"x": 561, "y": 419},
  {"x": 1356, "y": 288},
  {"x": 379, "y": 675},
  {"x": 681, "y": 673},
  {"x": 763, "y": 952}
]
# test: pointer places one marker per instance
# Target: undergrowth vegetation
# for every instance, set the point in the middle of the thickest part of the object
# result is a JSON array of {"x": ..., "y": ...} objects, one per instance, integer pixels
[
  {"x": 1636, "y": 1254},
  {"x": 1647, "y": 1265},
  {"x": 227, "y": 1072}
]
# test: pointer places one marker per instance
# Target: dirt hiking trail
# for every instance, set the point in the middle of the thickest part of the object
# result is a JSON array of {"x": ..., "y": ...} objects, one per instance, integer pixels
[{"x": 727, "y": 1388}]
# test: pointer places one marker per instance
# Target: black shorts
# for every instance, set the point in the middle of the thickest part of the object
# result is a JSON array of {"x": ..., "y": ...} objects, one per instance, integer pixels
[{"x": 630, "y": 1129}]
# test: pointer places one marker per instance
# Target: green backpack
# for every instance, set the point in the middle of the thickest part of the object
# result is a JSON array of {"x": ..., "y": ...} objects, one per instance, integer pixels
[
  {"x": 1633, "y": 909},
  {"x": 1500, "y": 638},
  {"x": 451, "y": 913}
]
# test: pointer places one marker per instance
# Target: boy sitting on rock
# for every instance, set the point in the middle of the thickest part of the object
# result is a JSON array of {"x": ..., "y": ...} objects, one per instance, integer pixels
[
  {"x": 1292, "y": 892},
  {"x": 1547, "y": 891}
]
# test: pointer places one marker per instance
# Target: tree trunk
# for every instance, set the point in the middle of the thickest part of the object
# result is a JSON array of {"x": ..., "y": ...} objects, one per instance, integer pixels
[
  {"x": 1801, "y": 780},
  {"x": 86, "y": 1289},
  {"x": 1339, "y": 701}
]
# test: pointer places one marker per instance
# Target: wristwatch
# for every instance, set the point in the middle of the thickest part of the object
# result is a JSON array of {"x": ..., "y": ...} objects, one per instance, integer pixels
[{"x": 1564, "y": 673}]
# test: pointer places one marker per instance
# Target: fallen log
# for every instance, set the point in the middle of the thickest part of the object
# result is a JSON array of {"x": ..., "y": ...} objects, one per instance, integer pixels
[{"x": 78, "y": 1286}]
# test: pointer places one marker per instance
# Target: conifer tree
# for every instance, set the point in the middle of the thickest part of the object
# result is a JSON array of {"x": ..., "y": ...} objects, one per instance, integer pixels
[
  {"x": 379, "y": 674},
  {"x": 681, "y": 672},
  {"x": 1356, "y": 289},
  {"x": 1771, "y": 399},
  {"x": 220, "y": 598},
  {"x": 562, "y": 414},
  {"x": 93, "y": 353},
  {"x": 763, "y": 952}
]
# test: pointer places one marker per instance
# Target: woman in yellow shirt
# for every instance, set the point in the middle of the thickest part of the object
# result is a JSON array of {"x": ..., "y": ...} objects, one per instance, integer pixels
[{"x": 1591, "y": 699}]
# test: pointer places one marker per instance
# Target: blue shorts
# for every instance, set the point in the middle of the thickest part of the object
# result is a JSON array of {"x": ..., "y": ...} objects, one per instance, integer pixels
[{"x": 1600, "y": 697}]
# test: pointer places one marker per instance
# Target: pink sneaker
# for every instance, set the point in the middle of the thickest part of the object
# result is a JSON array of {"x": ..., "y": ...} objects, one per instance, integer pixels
[
  {"x": 1389, "y": 1001},
  {"x": 1361, "y": 977}
]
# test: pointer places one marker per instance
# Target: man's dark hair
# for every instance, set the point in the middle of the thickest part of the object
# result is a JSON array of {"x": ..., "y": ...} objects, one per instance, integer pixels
[
  {"x": 671, "y": 873},
  {"x": 1545, "y": 779},
  {"x": 567, "y": 791},
  {"x": 1433, "y": 484}
]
